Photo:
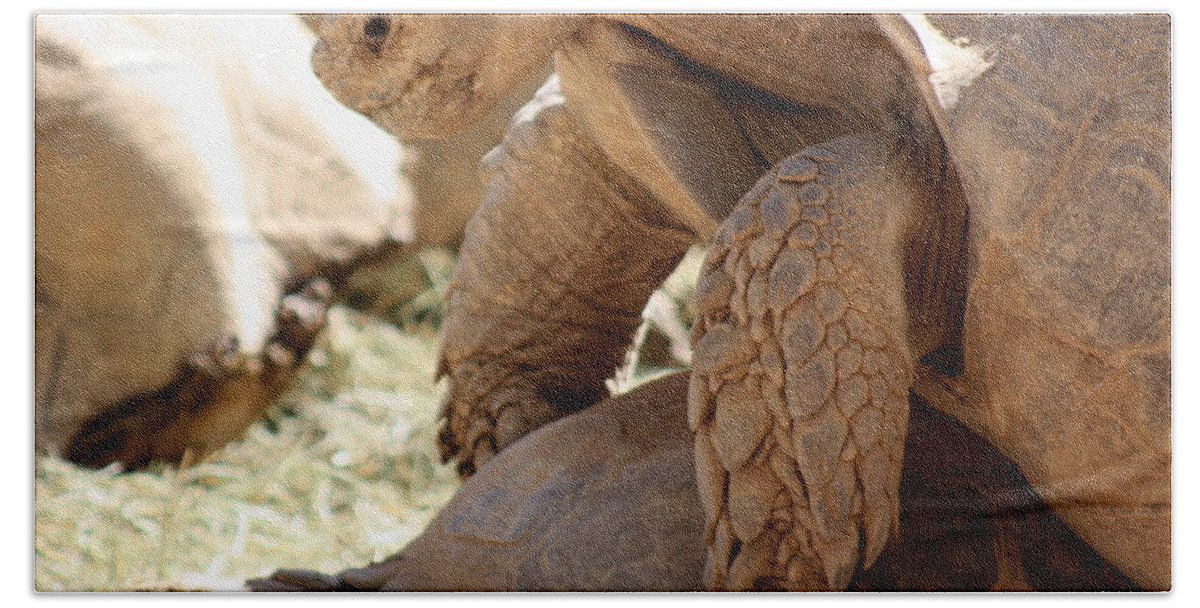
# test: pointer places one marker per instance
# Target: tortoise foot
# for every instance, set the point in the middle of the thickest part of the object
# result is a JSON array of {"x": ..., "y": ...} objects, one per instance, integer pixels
[
  {"x": 213, "y": 397},
  {"x": 157, "y": 424},
  {"x": 477, "y": 426},
  {"x": 299, "y": 317},
  {"x": 799, "y": 394}
]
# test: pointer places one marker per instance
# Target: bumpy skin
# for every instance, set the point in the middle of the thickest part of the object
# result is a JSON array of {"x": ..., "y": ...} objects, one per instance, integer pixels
[
  {"x": 802, "y": 366},
  {"x": 586, "y": 504},
  {"x": 1060, "y": 354},
  {"x": 529, "y": 339},
  {"x": 526, "y": 343}
]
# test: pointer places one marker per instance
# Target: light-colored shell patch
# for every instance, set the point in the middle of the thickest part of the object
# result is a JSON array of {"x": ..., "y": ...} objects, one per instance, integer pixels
[{"x": 956, "y": 64}]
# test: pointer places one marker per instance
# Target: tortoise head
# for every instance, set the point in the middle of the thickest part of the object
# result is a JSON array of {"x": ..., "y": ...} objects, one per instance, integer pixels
[{"x": 429, "y": 76}]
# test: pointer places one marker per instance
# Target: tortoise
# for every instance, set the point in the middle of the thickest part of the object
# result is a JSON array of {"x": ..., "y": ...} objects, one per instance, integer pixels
[
  {"x": 158, "y": 333},
  {"x": 173, "y": 367},
  {"x": 584, "y": 504},
  {"x": 992, "y": 235}
]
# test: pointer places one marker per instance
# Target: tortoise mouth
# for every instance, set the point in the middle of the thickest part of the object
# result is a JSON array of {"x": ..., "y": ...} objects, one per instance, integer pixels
[
  {"x": 428, "y": 106},
  {"x": 429, "y": 100}
]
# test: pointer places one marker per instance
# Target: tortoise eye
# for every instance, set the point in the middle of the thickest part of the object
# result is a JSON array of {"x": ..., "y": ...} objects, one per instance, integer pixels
[{"x": 375, "y": 31}]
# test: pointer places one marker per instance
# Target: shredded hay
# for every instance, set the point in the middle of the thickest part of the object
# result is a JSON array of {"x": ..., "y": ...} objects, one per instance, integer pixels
[{"x": 344, "y": 472}]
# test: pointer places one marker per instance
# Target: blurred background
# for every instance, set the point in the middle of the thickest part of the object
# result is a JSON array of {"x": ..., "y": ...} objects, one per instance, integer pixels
[{"x": 196, "y": 192}]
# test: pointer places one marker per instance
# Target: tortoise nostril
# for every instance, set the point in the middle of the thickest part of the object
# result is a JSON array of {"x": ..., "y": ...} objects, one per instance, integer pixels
[
  {"x": 376, "y": 30},
  {"x": 376, "y": 27}
]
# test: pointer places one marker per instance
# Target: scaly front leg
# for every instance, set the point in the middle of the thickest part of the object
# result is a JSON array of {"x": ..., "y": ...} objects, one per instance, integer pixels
[
  {"x": 802, "y": 364},
  {"x": 556, "y": 268}
]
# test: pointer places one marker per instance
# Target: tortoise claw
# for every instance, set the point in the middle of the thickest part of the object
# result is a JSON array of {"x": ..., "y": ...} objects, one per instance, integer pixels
[
  {"x": 374, "y": 577},
  {"x": 221, "y": 360}
]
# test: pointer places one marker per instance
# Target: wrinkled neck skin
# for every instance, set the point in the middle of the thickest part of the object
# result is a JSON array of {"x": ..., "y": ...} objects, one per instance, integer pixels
[{"x": 840, "y": 62}]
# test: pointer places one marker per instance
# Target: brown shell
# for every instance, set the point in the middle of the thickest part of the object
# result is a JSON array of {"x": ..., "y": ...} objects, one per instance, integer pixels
[
  {"x": 1063, "y": 144},
  {"x": 602, "y": 500}
]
